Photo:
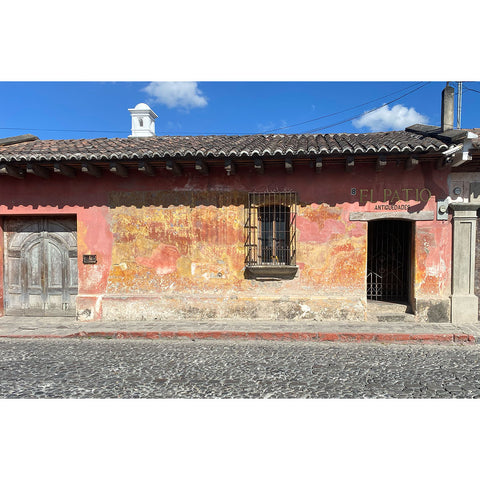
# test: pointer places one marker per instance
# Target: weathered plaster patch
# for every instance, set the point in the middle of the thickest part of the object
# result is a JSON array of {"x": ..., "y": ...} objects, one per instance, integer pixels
[
  {"x": 163, "y": 259},
  {"x": 185, "y": 246},
  {"x": 432, "y": 247}
]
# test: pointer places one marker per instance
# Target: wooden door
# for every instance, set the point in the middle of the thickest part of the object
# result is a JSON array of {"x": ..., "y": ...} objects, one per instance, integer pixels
[{"x": 41, "y": 269}]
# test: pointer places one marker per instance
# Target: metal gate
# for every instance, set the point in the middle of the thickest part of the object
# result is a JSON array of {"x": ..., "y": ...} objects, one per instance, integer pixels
[
  {"x": 40, "y": 266},
  {"x": 388, "y": 260}
]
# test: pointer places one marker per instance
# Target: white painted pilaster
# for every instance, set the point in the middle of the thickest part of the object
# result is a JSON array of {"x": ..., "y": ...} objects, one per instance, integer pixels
[{"x": 464, "y": 302}]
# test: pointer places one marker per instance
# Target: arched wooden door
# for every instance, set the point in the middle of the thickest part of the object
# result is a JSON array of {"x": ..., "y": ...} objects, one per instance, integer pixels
[{"x": 41, "y": 272}]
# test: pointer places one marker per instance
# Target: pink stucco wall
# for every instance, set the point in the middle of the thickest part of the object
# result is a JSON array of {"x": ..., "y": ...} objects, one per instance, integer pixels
[{"x": 176, "y": 243}]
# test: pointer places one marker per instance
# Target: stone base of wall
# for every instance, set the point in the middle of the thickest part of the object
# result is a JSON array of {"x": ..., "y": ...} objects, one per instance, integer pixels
[
  {"x": 433, "y": 310},
  {"x": 89, "y": 308},
  {"x": 171, "y": 309},
  {"x": 464, "y": 309},
  {"x": 168, "y": 308}
]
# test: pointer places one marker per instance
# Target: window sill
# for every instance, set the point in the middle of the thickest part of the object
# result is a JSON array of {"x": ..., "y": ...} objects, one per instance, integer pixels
[{"x": 270, "y": 272}]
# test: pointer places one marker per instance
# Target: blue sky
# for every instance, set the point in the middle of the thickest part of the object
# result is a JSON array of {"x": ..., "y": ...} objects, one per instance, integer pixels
[{"x": 60, "y": 110}]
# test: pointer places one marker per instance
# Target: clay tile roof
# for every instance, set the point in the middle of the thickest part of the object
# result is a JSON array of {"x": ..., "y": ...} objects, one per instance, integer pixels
[{"x": 223, "y": 145}]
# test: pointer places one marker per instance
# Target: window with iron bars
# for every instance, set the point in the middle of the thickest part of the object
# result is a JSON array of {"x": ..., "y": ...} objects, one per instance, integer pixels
[{"x": 270, "y": 229}]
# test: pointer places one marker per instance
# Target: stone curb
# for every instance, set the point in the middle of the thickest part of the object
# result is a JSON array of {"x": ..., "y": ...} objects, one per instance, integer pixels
[{"x": 301, "y": 336}]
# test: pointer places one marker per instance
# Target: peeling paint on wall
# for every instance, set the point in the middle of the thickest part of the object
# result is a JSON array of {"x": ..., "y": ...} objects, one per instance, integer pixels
[
  {"x": 176, "y": 244},
  {"x": 189, "y": 247},
  {"x": 432, "y": 246}
]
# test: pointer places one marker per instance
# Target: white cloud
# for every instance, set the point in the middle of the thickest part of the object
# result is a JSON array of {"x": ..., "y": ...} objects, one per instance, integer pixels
[
  {"x": 264, "y": 127},
  {"x": 269, "y": 126},
  {"x": 383, "y": 119},
  {"x": 174, "y": 125},
  {"x": 177, "y": 94}
]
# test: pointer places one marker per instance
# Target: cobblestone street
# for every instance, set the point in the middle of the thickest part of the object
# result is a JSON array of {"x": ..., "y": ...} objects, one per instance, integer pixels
[{"x": 100, "y": 368}]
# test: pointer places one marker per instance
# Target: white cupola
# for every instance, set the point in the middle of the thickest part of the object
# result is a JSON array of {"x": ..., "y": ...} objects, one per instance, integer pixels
[{"x": 143, "y": 121}]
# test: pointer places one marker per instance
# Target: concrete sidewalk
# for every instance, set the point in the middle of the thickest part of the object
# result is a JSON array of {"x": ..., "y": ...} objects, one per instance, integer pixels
[{"x": 387, "y": 332}]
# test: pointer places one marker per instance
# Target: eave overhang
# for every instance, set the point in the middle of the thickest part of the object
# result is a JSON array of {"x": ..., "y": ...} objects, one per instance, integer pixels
[{"x": 177, "y": 155}]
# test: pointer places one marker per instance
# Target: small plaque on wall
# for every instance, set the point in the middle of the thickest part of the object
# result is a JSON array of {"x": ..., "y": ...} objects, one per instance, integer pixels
[{"x": 89, "y": 259}]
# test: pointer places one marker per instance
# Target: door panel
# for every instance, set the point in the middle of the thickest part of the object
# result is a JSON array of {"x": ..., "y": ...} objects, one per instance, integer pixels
[
  {"x": 73, "y": 272},
  {"x": 33, "y": 259},
  {"x": 55, "y": 264},
  {"x": 41, "y": 266},
  {"x": 13, "y": 283}
]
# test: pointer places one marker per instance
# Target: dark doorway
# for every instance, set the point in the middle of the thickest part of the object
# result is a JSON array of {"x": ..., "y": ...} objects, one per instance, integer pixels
[
  {"x": 388, "y": 260},
  {"x": 40, "y": 266}
]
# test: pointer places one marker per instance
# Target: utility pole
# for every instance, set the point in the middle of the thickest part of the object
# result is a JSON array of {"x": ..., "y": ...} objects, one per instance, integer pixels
[{"x": 459, "y": 104}]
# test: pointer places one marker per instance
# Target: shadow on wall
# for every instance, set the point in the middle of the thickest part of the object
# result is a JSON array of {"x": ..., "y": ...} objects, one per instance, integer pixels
[
  {"x": 333, "y": 186},
  {"x": 166, "y": 199}
]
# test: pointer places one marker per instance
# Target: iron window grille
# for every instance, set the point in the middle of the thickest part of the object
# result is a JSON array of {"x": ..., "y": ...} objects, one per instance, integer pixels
[{"x": 270, "y": 229}]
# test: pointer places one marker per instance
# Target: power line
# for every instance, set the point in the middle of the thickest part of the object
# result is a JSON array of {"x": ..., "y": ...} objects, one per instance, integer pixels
[
  {"x": 472, "y": 89},
  {"x": 341, "y": 111},
  {"x": 459, "y": 104},
  {"x": 117, "y": 131},
  {"x": 364, "y": 113},
  {"x": 63, "y": 130},
  {"x": 250, "y": 133}
]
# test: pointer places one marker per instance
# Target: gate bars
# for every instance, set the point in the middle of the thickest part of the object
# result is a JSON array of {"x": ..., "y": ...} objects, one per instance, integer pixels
[
  {"x": 388, "y": 260},
  {"x": 270, "y": 228}
]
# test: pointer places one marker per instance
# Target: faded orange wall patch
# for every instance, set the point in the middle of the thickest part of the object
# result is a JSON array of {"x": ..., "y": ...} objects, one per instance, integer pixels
[
  {"x": 185, "y": 247},
  {"x": 163, "y": 259}
]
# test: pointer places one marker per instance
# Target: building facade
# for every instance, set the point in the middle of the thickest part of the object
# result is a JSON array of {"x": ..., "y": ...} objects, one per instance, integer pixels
[{"x": 260, "y": 226}]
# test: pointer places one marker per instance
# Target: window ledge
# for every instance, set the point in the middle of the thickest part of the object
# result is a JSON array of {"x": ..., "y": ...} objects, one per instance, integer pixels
[{"x": 271, "y": 272}]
